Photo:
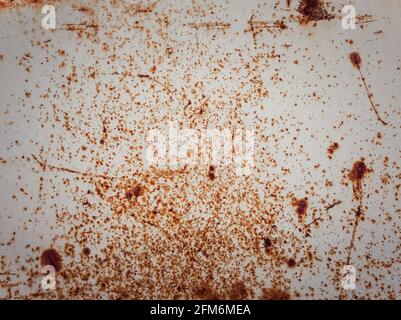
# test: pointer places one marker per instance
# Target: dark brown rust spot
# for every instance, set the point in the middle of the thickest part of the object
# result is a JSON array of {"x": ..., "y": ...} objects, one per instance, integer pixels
[
  {"x": 238, "y": 292},
  {"x": 358, "y": 171},
  {"x": 86, "y": 251},
  {"x": 206, "y": 293},
  {"x": 53, "y": 258},
  {"x": 314, "y": 10},
  {"x": 136, "y": 192},
  {"x": 331, "y": 149},
  {"x": 355, "y": 59},
  {"x": 301, "y": 206}
]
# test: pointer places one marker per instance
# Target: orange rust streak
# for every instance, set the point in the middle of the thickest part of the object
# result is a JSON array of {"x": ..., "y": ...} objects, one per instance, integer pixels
[{"x": 370, "y": 98}]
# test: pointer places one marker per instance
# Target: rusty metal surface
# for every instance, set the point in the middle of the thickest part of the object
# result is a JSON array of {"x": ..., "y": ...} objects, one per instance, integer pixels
[{"x": 77, "y": 103}]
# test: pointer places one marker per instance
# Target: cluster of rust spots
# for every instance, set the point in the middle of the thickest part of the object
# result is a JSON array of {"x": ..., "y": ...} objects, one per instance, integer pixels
[
  {"x": 86, "y": 251},
  {"x": 212, "y": 174},
  {"x": 239, "y": 292},
  {"x": 332, "y": 148},
  {"x": 135, "y": 191},
  {"x": 206, "y": 293},
  {"x": 53, "y": 258},
  {"x": 357, "y": 175},
  {"x": 4, "y": 4},
  {"x": 257, "y": 26},
  {"x": 275, "y": 294},
  {"x": 313, "y": 10},
  {"x": 301, "y": 207},
  {"x": 291, "y": 262}
]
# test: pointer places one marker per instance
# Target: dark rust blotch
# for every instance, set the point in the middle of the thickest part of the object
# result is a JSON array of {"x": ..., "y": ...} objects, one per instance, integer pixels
[
  {"x": 53, "y": 258},
  {"x": 275, "y": 294},
  {"x": 301, "y": 206},
  {"x": 314, "y": 10},
  {"x": 355, "y": 59}
]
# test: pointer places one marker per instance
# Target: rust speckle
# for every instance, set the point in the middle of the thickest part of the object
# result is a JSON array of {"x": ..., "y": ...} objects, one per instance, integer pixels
[
  {"x": 53, "y": 258},
  {"x": 267, "y": 244},
  {"x": 138, "y": 191}
]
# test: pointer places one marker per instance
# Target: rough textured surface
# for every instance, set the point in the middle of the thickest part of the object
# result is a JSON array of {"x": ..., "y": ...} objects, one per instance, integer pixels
[{"x": 78, "y": 101}]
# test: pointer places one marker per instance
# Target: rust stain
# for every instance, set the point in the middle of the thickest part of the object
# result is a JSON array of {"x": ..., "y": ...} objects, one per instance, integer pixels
[
  {"x": 53, "y": 258},
  {"x": 275, "y": 294},
  {"x": 210, "y": 25},
  {"x": 132, "y": 230},
  {"x": 356, "y": 175},
  {"x": 356, "y": 61},
  {"x": 332, "y": 148},
  {"x": 313, "y": 10},
  {"x": 301, "y": 207}
]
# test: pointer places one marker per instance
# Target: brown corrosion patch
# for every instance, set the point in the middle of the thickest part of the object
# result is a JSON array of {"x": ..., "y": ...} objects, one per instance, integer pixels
[
  {"x": 355, "y": 59},
  {"x": 291, "y": 263},
  {"x": 53, "y": 258},
  {"x": 4, "y": 4},
  {"x": 275, "y": 294},
  {"x": 358, "y": 171},
  {"x": 301, "y": 206},
  {"x": 86, "y": 251},
  {"x": 331, "y": 149},
  {"x": 313, "y": 10}
]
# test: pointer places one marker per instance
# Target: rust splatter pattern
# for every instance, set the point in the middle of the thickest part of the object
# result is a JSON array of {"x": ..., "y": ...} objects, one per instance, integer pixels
[{"x": 77, "y": 104}]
